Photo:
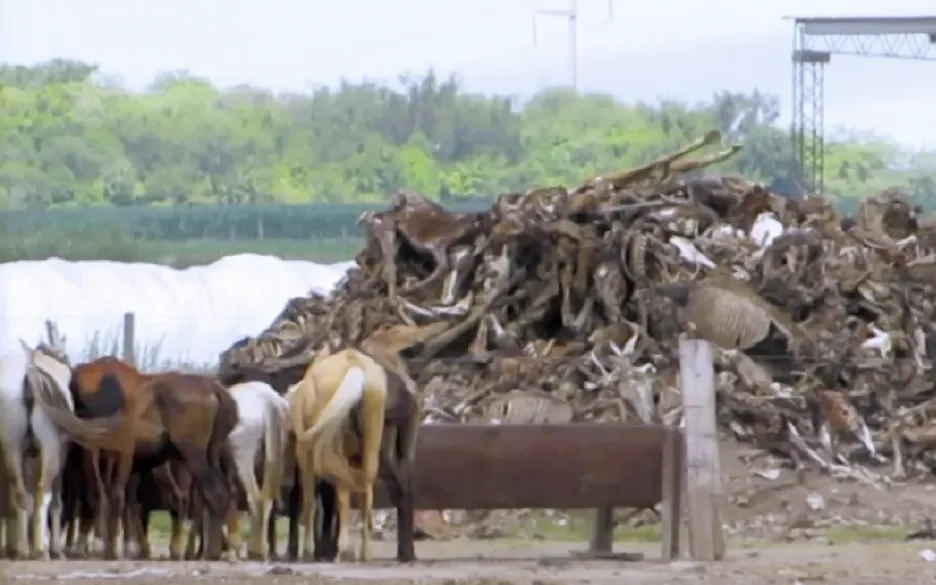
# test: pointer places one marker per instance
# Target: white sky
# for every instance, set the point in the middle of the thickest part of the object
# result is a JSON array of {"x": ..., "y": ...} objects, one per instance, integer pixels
[{"x": 683, "y": 49}]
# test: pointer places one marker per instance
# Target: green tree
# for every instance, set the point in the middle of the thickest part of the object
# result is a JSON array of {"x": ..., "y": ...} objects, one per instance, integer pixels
[{"x": 70, "y": 140}]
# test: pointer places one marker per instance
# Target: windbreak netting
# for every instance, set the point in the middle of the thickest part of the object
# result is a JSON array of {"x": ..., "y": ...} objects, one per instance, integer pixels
[{"x": 182, "y": 316}]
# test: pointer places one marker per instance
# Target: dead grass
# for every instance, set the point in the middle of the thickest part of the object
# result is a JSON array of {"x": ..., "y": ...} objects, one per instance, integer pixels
[
  {"x": 865, "y": 534},
  {"x": 574, "y": 526},
  {"x": 147, "y": 356}
]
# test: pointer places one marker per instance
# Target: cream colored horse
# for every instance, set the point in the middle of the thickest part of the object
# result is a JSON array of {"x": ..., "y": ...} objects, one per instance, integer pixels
[
  {"x": 320, "y": 406},
  {"x": 25, "y": 429}
]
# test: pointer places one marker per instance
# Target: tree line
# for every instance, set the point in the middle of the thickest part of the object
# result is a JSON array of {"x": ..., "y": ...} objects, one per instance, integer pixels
[{"x": 69, "y": 139}]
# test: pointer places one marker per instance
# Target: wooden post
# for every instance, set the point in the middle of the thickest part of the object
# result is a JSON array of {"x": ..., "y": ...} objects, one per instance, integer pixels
[
  {"x": 703, "y": 469},
  {"x": 50, "y": 332},
  {"x": 129, "y": 339},
  {"x": 672, "y": 485},
  {"x": 602, "y": 538}
]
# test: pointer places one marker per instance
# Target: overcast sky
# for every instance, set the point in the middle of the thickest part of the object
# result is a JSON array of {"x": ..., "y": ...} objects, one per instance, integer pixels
[{"x": 679, "y": 49}]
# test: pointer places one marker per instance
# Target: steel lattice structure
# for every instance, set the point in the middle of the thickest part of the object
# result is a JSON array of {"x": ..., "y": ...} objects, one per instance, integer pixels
[{"x": 815, "y": 40}]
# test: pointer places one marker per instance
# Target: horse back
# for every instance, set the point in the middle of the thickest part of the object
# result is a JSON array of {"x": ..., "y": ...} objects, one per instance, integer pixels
[
  {"x": 193, "y": 406},
  {"x": 105, "y": 386}
]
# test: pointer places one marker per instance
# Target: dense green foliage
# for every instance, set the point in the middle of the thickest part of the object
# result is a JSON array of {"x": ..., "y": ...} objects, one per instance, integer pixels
[{"x": 203, "y": 154}]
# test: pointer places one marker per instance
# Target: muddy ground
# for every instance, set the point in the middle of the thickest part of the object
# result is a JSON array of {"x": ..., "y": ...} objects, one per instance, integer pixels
[{"x": 781, "y": 527}]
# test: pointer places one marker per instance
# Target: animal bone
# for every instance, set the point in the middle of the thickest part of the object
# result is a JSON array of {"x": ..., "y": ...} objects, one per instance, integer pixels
[{"x": 581, "y": 294}]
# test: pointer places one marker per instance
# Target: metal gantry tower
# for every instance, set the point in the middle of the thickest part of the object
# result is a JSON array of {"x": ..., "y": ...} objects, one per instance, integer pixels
[{"x": 815, "y": 40}]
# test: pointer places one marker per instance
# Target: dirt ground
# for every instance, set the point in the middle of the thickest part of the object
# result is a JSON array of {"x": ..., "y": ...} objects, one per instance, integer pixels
[{"x": 781, "y": 527}]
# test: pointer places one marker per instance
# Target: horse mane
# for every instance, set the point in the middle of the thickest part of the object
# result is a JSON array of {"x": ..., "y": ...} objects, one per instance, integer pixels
[{"x": 53, "y": 351}]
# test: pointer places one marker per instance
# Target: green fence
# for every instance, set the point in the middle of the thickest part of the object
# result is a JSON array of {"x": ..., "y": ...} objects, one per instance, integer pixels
[{"x": 209, "y": 222}]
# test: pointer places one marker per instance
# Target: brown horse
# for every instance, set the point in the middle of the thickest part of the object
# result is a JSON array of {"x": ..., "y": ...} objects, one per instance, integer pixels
[{"x": 146, "y": 420}]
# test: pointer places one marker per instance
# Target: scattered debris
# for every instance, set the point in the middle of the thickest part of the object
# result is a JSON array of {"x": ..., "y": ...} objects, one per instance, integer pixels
[
  {"x": 815, "y": 502},
  {"x": 926, "y": 533}
]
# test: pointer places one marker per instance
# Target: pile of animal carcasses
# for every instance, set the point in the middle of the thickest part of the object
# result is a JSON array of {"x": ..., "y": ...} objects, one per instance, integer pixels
[{"x": 566, "y": 304}]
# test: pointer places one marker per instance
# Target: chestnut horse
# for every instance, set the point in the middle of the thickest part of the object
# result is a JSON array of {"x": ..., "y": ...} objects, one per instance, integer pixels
[{"x": 146, "y": 420}]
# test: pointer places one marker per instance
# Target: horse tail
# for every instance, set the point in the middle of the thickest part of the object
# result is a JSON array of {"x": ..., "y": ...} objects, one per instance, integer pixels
[
  {"x": 226, "y": 418},
  {"x": 276, "y": 434},
  {"x": 336, "y": 410},
  {"x": 74, "y": 388},
  {"x": 94, "y": 433}
]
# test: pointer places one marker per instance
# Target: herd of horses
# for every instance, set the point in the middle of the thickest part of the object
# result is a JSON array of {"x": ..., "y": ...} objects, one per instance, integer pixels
[{"x": 92, "y": 450}]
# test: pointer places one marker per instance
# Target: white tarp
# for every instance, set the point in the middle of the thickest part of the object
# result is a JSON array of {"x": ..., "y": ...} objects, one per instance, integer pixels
[{"x": 188, "y": 316}]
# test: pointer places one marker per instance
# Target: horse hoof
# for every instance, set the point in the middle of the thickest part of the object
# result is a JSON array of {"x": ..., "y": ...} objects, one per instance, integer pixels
[
  {"x": 253, "y": 555},
  {"x": 57, "y": 555},
  {"x": 347, "y": 556}
]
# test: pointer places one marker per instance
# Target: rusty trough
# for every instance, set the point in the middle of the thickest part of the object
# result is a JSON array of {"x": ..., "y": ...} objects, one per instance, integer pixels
[{"x": 571, "y": 466}]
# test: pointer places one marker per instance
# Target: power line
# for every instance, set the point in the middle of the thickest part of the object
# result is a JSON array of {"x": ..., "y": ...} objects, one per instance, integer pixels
[{"x": 571, "y": 14}]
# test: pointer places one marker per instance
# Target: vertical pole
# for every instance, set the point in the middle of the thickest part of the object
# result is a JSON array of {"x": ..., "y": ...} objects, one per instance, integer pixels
[
  {"x": 671, "y": 500},
  {"x": 602, "y": 537},
  {"x": 573, "y": 42},
  {"x": 703, "y": 468},
  {"x": 129, "y": 339},
  {"x": 50, "y": 329}
]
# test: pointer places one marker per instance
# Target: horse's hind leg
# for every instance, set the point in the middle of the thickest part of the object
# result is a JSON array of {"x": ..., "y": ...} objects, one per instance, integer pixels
[
  {"x": 195, "y": 545},
  {"x": 179, "y": 508},
  {"x": 244, "y": 457},
  {"x": 87, "y": 519},
  {"x": 19, "y": 499},
  {"x": 118, "y": 499},
  {"x": 6, "y": 512},
  {"x": 55, "y": 513},
  {"x": 233, "y": 526},
  {"x": 307, "y": 516},
  {"x": 345, "y": 550},
  {"x": 213, "y": 493},
  {"x": 373, "y": 431},
  {"x": 176, "y": 540},
  {"x": 50, "y": 463}
]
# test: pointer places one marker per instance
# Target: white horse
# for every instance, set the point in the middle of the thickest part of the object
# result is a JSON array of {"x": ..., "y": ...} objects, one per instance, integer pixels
[
  {"x": 263, "y": 419},
  {"x": 26, "y": 430}
]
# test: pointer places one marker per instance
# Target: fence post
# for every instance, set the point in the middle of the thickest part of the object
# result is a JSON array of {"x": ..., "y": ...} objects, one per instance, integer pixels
[
  {"x": 602, "y": 537},
  {"x": 671, "y": 483},
  {"x": 50, "y": 332},
  {"x": 129, "y": 339},
  {"x": 703, "y": 468}
]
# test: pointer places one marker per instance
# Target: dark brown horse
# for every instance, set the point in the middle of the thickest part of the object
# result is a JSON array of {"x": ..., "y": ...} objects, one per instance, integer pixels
[
  {"x": 167, "y": 487},
  {"x": 147, "y": 420}
]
